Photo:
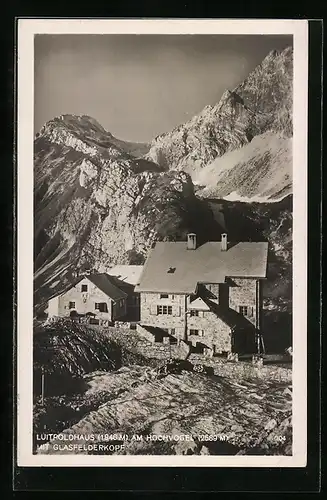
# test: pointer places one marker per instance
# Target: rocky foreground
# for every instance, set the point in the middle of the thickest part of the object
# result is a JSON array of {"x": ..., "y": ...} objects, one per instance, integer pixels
[{"x": 191, "y": 414}]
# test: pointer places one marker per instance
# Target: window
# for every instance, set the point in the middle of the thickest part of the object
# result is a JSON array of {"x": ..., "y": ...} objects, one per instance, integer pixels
[
  {"x": 246, "y": 310},
  {"x": 164, "y": 295},
  {"x": 172, "y": 331},
  {"x": 165, "y": 310},
  {"x": 84, "y": 288},
  {"x": 243, "y": 310},
  {"x": 193, "y": 312},
  {"x": 101, "y": 306},
  {"x": 121, "y": 303},
  {"x": 71, "y": 305},
  {"x": 194, "y": 332}
]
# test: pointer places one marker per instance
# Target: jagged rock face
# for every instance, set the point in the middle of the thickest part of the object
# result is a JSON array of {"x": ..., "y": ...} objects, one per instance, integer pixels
[
  {"x": 96, "y": 205},
  {"x": 85, "y": 134},
  {"x": 262, "y": 103}
]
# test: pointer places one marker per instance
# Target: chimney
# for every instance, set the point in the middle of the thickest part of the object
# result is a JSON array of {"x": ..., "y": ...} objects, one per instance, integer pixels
[
  {"x": 223, "y": 246},
  {"x": 191, "y": 241}
]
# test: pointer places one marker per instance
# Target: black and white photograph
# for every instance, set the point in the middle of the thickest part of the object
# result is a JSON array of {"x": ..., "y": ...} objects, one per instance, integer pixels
[{"x": 163, "y": 233}]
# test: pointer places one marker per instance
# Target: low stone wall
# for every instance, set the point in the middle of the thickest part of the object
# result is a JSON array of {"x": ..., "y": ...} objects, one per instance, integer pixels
[
  {"x": 243, "y": 369},
  {"x": 143, "y": 342},
  {"x": 145, "y": 333},
  {"x": 179, "y": 350},
  {"x": 132, "y": 325}
]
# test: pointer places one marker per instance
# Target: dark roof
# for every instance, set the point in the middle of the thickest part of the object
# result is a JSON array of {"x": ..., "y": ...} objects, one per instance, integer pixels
[
  {"x": 122, "y": 285},
  {"x": 171, "y": 267},
  {"x": 107, "y": 284}
]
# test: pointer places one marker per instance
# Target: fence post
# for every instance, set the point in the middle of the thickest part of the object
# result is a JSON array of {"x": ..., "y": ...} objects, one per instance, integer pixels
[{"x": 42, "y": 386}]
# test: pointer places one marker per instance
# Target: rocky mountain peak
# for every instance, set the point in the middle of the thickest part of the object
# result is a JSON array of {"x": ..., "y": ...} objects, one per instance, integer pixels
[
  {"x": 97, "y": 205},
  {"x": 263, "y": 102}
]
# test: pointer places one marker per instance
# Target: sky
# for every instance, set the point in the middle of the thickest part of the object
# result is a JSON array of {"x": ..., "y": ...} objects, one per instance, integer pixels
[{"x": 140, "y": 86}]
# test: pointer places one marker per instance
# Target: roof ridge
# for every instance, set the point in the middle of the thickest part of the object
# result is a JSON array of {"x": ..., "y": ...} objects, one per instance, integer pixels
[{"x": 241, "y": 259}]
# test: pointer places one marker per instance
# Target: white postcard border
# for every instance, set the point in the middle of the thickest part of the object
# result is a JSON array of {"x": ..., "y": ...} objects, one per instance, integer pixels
[{"x": 27, "y": 28}]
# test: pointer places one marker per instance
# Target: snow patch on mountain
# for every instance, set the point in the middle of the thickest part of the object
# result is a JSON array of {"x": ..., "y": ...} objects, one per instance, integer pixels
[
  {"x": 262, "y": 104},
  {"x": 259, "y": 171}
]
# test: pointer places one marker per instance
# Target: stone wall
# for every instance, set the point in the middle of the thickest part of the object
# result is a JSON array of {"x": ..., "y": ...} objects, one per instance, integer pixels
[
  {"x": 156, "y": 350},
  {"x": 149, "y": 316},
  {"x": 242, "y": 370},
  {"x": 216, "y": 333},
  {"x": 242, "y": 292},
  {"x": 181, "y": 350}
]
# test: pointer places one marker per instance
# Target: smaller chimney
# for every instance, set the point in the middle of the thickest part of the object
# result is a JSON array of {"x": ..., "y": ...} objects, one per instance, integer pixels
[
  {"x": 191, "y": 241},
  {"x": 223, "y": 246}
]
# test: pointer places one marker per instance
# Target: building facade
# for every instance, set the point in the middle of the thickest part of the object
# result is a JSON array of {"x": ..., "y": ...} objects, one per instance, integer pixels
[
  {"x": 96, "y": 296},
  {"x": 209, "y": 296}
]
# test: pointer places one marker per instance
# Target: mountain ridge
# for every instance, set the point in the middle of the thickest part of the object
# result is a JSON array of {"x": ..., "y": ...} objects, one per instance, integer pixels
[
  {"x": 261, "y": 103},
  {"x": 101, "y": 201}
]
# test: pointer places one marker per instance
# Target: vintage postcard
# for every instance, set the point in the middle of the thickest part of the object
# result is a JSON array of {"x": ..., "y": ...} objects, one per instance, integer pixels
[{"x": 162, "y": 185}]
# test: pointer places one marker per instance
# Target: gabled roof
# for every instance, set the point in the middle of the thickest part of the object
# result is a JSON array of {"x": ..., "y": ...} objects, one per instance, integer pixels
[
  {"x": 106, "y": 284},
  {"x": 198, "y": 304},
  {"x": 171, "y": 267}
]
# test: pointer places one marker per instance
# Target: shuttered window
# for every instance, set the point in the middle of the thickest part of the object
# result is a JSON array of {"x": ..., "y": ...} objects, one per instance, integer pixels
[
  {"x": 101, "y": 306},
  {"x": 165, "y": 310},
  {"x": 176, "y": 311}
]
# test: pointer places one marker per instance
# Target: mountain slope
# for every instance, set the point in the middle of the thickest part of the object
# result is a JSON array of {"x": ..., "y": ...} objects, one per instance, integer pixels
[
  {"x": 260, "y": 104},
  {"x": 97, "y": 206},
  {"x": 263, "y": 166}
]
